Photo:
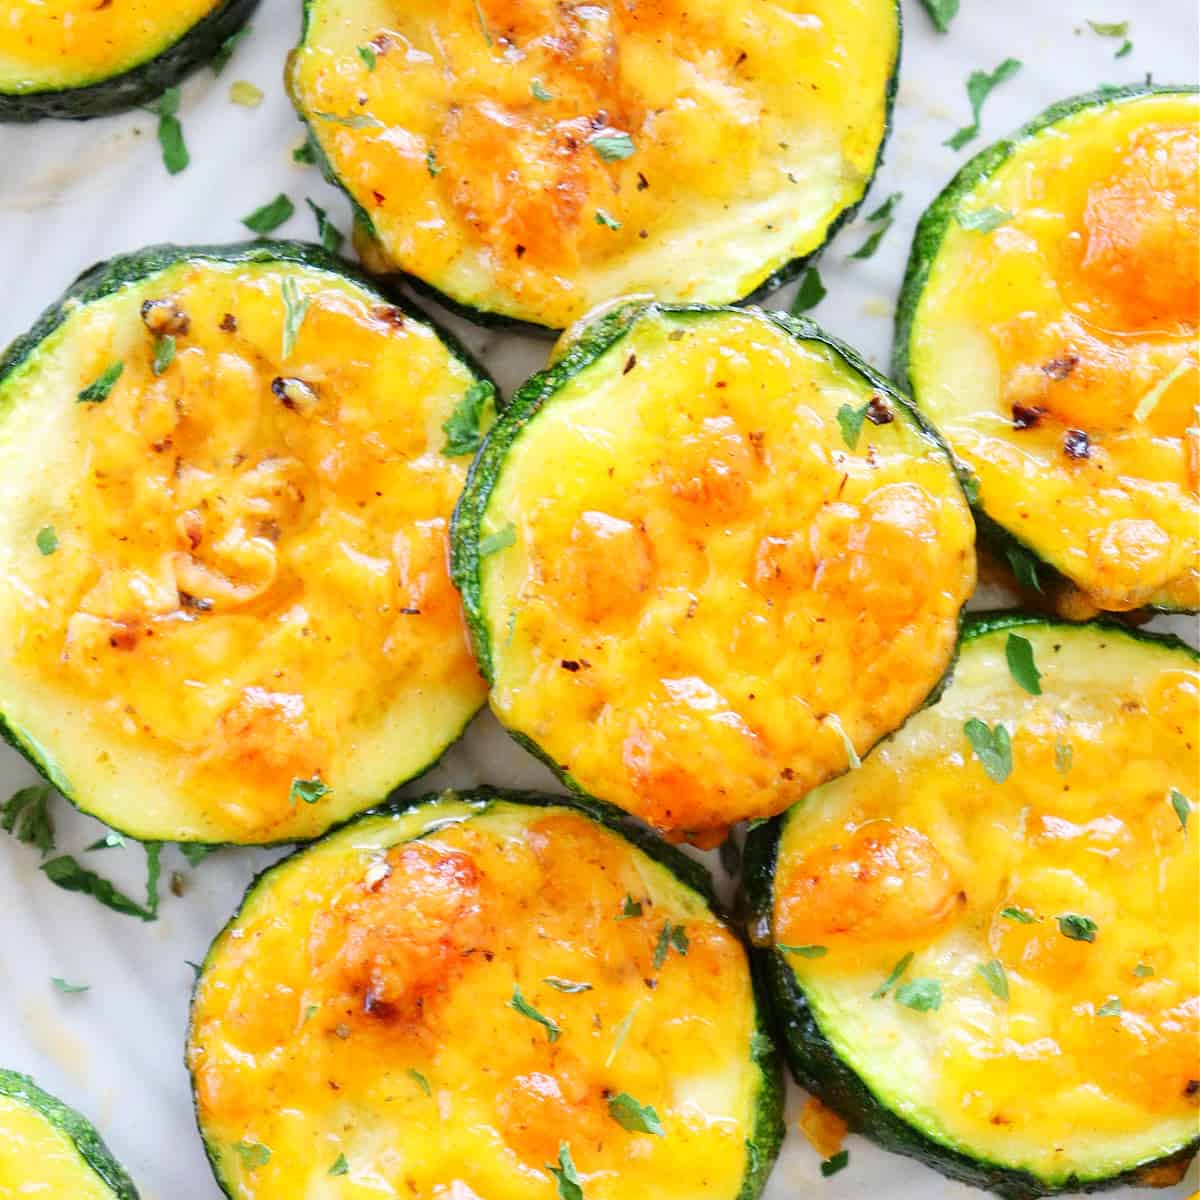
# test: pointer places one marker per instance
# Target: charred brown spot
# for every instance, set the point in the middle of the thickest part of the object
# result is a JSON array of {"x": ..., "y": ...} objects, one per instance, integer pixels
[
  {"x": 787, "y": 773},
  {"x": 228, "y": 323},
  {"x": 878, "y": 413},
  {"x": 1191, "y": 1087},
  {"x": 569, "y": 664},
  {"x": 1059, "y": 368},
  {"x": 1077, "y": 444},
  {"x": 380, "y": 198},
  {"x": 124, "y": 638},
  {"x": 389, "y": 314},
  {"x": 643, "y": 183},
  {"x": 630, "y": 363},
  {"x": 410, "y": 612},
  {"x": 520, "y": 251},
  {"x": 1026, "y": 416},
  {"x": 165, "y": 317}
]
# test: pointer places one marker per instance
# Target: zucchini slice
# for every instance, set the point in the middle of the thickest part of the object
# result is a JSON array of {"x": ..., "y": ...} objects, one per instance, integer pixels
[
  {"x": 48, "y": 1149},
  {"x": 532, "y": 161},
  {"x": 983, "y": 948},
  {"x": 1048, "y": 328},
  {"x": 721, "y": 601},
  {"x": 466, "y": 995},
  {"x": 61, "y": 58},
  {"x": 227, "y": 493}
]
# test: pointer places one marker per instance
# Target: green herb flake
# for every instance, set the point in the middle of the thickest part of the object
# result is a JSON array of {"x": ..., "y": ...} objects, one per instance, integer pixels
[
  {"x": 101, "y": 387},
  {"x": 295, "y": 307},
  {"x": 464, "y": 428},
  {"x": 896, "y": 972},
  {"x": 1018, "y": 651},
  {"x": 885, "y": 210},
  {"x": 65, "y": 872},
  {"x": 369, "y": 56},
  {"x": 602, "y": 218},
  {"x": 500, "y": 540},
  {"x": 110, "y": 841},
  {"x": 164, "y": 353},
  {"x": 303, "y": 154},
  {"x": 330, "y": 235},
  {"x": 431, "y": 163},
  {"x": 941, "y": 13},
  {"x": 992, "y": 746},
  {"x": 195, "y": 852},
  {"x": 245, "y": 94},
  {"x": 253, "y": 1154},
  {"x": 519, "y": 1004},
  {"x": 868, "y": 248},
  {"x": 1125, "y": 50},
  {"x": 982, "y": 220},
  {"x": 1064, "y": 756},
  {"x": 220, "y": 60},
  {"x": 1024, "y": 567},
  {"x": 153, "y": 873},
  {"x": 672, "y": 937},
  {"x": 622, "y": 1034},
  {"x": 350, "y": 120},
  {"x": 1182, "y": 806},
  {"x": 170, "y": 132},
  {"x": 921, "y": 995},
  {"x": 26, "y": 815},
  {"x": 340, "y": 1166},
  {"x": 613, "y": 147},
  {"x": 970, "y": 486},
  {"x": 1143, "y": 970},
  {"x": 629, "y": 909},
  {"x": 851, "y": 421},
  {"x": 308, "y": 790},
  {"x": 47, "y": 540},
  {"x": 1020, "y": 915},
  {"x": 810, "y": 293},
  {"x": 566, "y": 985},
  {"x": 1077, "y": 928},
  {"x": 539, "y": 93},
  {"x": 803, "y": 951},
  {"x": 70, "y": 989},
  {"x": 483, "y": 27},
  {"x": 637, "y": 1118},
  {"x": 197, "y": 969},
  {"x": 565, "y": 1175},
  {"x": 835, "y": 1163},
  {"x": 420, "y": 1081},
  {"x": 1110, "y": 1008},
  {"x": 270, "y": 216},
  {"x": 1110, "y": 29},
  {"x": 980, "y": 85},
  {"x": 992, "y": 973}
]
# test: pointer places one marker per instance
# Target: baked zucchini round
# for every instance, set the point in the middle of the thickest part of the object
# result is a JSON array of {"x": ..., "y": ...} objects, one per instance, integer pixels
[
  {"x": 228, "y": 475},
  {"x": 531, "y": 160},
  {"x": 61, "y": 58},
  {"x": 983, "y": 943},
  {"x": 1047, "y": 327},
  {"x": 708, "y": 558},
  {"x": 477, "y": 995},
  {"x": 48, "y": 1149}
]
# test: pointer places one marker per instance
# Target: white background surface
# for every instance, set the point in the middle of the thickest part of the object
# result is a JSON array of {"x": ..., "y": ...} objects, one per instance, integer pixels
[{"x": 71, "y": 194}]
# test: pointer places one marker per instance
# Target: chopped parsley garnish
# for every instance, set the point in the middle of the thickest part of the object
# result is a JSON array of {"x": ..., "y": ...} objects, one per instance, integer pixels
[
  {"x": 295, "y": 307},
  {"x": 803, "y": 951},
  {"x": 195, "y": 852},
  {"x": 1143, "y": 970},
  {"x": 220, "y": 60},
  {"x": 500, "y": 540},
  {"x": 885, "y": 210},
  {"x": 1024, "y": 567},
  {"x": 1182, "y": 806},
  {"x": 921, "y": 995},
  {"x": 941, "y": 12},
  {"x": 170, "y": 131},
  {"x": 431, "y": 163},
  {"x": 622, "y": 1034},
  {"x": 368, "y": 55},
  {"x": 110, "y": 841},
  {"x": 672, "y": 937},
  {"x": 1021, "y": 665},
  {"x": 970, "y": 486},
  {"x": 629, "y": 909},
  {"x": 835, "y": 1163},
  {"x": 539, "y": 92},
  {"x": 101, "y": 387},
  {"x": 350, "y": 120},
  {"x": 1064, "y": 756},
  {"x": 463, "y": 428},
  {"x": 851, "y": 421},
  {"x": 487, "y": 37},
  {"x": 613, "y": 147},
  {"x": 882, "y": 217},
  {"x": 47, "y": 540},
  {"x": 1020, "y": 915},
  {"x": 26, "y": 816},
  {"x": 810, "y": 293},
  {"x": 271, "y": 215},
  {"x": 993, "y": 748},
  {"x": 982, "y": 220},
  {"x": 602, "y": 218},
  {"x": 65, "y": 872},
  {"x": 253, "y": 1154},
  {"x": 1077, "y": 928},
  {"x": 164, "y": 353},
  {"x": 637, "y": 1118},
  {"x": 993, "y": 975},
  {"x": 308, "y": 790},
  {"x": 70, "y": 989},
  {"x": 153, "y": 871},
  {"x": 519, "y": 1004},
  {"x": 896, "y": 972},
  {"x": 1114, "y": 29},
  {"x": 197, "y": 969},
  {"x": 303, "y": 154},
  {"x": 245, "y": 93},
  {"x": 340, "y": 1166},
  {"x": 1110, "y": 1008},
  {"x": 979, "y": 86},
  {"x": 566, "y": 985},
  {"x": 330, "y": 235},
  {"x": 420, "y": 1081},
  {"x": 565, "y": 1175}
]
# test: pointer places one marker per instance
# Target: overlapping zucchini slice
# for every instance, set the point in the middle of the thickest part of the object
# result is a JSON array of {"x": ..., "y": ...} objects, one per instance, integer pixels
[
  {"x": 985, "y": 939},
  {"x": 64, "y": 58},
  {"x": 476, "y": 996},
  {"x": 48, "y": 1149},
  {"x": 531, "y": 160},
  {"x": 708, "y": 558},
  {"x": 227, "y": 479},
  {"x": 1048, "y": 327}
]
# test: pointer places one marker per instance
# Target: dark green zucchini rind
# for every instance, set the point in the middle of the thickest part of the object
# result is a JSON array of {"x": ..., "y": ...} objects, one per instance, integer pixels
[
  {"x": 110, "y": 276},
  {"x": 764, "y": 1145},
  {"x": 75, "y": 1126},
  {"x": 927, "y": 241},
  {"x": 138, "y": 85}
]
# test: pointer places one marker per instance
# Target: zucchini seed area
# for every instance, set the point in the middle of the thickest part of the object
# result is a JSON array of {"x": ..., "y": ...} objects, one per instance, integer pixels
[
  {"x": 686, "y": 150},
  {"x": 1046, "y": 1011},
  {"x": 1057, "y": 352},
  {"x": 244, "y": 582},
  {"x": 720, "y": 602},
  {"x": 442, "y": 1000}
]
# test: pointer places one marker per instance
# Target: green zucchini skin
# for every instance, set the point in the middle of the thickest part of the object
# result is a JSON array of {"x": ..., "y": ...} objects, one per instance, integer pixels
[
  {"x": 75, "y": 1126},
  {"x": 927, "y": 241},
  {"x": 105, "y": 278},
  {"x": 139, "y": 85},
  {"x": 813, "y": 1061},
  {"x": 767, "y": 1139}
]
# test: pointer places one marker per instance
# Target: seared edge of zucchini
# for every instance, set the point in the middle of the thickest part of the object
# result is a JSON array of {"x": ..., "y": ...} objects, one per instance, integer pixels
[
  {"x": 927, "y": 241},
  {"x": 75, "y": 1126},
  {"x": 812, "y": 1059},
  {"x": 763, "y": 1146},
  {"x": 110, "y": 276},
  {"x": 139, "y": 84}
]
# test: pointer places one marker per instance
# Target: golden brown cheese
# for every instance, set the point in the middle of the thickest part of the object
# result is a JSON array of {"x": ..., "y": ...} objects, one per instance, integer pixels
[
  {"x": 250, "y": 584},
  {"x": 1090, "y": 1062},
  {"x": 1058, "y": 353},
  {"x": 361, "y": 1008},
  {"x": 534, "y": 159},
  {"x": 49, "y": 44},
  {"x": 719, "y": 595},
  {"x": 39, "y": 1159}
]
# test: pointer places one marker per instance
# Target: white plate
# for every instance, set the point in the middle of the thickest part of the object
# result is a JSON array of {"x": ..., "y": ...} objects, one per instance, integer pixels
[{"x": 71, "y": 194}]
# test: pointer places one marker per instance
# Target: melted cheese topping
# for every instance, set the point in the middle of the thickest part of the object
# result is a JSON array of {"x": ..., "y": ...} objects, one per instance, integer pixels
[
  {"x": 250, "y": 581},
  {"x": 694, "y": 618},
  {"x": 50, "y": 44},
  {"x": 466, "y": 134},
  {"x": 39, "y": 1159},
  {"x": 920, "y": 851},
  {"x": 1058, "y": 353},
  {"x": 361, "y": 1005}
]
